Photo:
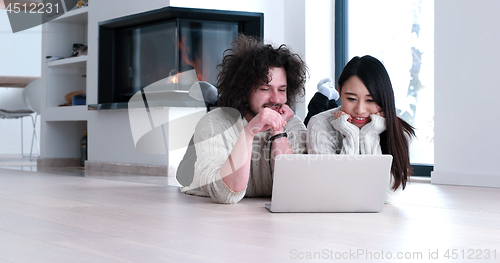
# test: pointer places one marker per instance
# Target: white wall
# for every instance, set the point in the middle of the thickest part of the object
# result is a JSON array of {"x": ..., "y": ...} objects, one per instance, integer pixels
[
  {"x": 20, "y": 53},
  {"x": 467, "y": 89}
]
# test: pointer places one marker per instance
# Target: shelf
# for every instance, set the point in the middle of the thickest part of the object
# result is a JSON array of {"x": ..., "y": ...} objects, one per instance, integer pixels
[
  {"x": 67, "y": 113},
  {"x": 76, "y": 62},
  {"x": 77, "y": 16}
]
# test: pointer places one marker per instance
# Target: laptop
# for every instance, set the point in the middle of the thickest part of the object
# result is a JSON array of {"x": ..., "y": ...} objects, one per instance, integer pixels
[{"x": 330, "y": 183}]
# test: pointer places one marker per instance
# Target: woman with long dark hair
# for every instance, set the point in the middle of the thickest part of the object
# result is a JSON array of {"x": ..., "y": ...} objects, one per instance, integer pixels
[{"x": 366, "y": 122}]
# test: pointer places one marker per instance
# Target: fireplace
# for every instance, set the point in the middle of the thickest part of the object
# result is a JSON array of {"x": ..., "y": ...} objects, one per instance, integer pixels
[{"x": 138, "y": 50}]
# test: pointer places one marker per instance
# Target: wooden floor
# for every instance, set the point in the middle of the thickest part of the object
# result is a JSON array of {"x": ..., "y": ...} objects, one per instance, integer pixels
[{"x": 53, "y": 217}]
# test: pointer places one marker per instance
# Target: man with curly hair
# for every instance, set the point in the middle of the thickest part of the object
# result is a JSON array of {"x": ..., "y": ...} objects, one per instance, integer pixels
[{"x": 236, "y": 143}]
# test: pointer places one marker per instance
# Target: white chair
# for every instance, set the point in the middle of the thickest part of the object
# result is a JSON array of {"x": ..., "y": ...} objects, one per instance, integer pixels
[{"x": 13, "y": 106}]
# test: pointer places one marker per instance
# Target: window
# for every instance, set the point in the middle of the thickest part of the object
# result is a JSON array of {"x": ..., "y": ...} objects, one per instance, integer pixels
[{"x": 400, "y": 33}]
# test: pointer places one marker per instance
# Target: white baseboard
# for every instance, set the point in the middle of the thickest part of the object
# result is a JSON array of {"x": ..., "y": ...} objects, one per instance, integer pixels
[{"x": 465, "y": 179}]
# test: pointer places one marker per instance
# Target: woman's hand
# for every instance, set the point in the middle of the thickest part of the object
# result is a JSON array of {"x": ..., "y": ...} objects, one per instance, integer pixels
[
  {"x": 380, "y": 113},
  {"x": 337, "y": 114}
]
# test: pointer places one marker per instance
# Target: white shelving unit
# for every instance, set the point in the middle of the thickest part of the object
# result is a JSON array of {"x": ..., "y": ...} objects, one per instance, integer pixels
[{"x": 63, "y": 127}]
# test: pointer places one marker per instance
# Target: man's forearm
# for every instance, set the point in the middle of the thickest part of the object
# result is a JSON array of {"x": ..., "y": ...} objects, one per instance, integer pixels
[{"x": 235, "y": 172}]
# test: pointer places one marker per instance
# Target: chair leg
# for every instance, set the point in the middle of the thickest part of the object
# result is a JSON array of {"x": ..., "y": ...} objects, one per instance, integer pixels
[
  {"x": 34, "y": 138},
  {"x": 22, "y": 138}
]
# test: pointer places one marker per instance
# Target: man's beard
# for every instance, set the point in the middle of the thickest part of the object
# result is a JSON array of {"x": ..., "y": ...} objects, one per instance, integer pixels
[{"x": 265, "y": 105}]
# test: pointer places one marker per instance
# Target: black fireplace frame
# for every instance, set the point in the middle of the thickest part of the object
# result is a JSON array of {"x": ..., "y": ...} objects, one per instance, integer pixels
[{"x": 249, "y": 23}]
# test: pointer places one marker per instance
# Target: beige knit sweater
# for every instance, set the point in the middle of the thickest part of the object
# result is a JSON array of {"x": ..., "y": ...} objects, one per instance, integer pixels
[{"x": 214, "y": 138}]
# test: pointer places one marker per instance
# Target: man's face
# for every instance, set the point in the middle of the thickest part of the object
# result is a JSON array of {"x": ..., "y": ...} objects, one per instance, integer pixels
[{"x": 271, "y": 95}]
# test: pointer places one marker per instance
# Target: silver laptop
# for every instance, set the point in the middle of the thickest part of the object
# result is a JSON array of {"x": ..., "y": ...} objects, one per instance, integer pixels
[{"x": 330, "y": 183}]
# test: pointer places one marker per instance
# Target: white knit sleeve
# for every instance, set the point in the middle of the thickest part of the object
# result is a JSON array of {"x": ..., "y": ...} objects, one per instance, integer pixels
[
  {"x": 214, "y": 139},
  {"x": 370, "y": 136},
  {"x": 350, "y": 140}
]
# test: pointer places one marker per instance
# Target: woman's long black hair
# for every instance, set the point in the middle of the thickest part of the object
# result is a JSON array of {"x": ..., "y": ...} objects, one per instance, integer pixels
[{"x": 395, "y": 139}]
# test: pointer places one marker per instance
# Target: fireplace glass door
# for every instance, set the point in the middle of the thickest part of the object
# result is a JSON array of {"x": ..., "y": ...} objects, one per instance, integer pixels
[{"x": 153, "y": 52}]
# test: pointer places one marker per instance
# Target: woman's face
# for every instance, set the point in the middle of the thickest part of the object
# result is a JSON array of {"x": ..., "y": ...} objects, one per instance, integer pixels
[{"x": 358, "y": 102}]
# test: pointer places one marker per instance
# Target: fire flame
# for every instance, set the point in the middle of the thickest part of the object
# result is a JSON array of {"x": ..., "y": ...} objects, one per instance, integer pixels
[{"x": 196, "y": 64}]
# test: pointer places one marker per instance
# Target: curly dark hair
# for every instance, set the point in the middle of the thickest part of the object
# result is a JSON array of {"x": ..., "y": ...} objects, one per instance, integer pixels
[{"x": 246, "y": 65}]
